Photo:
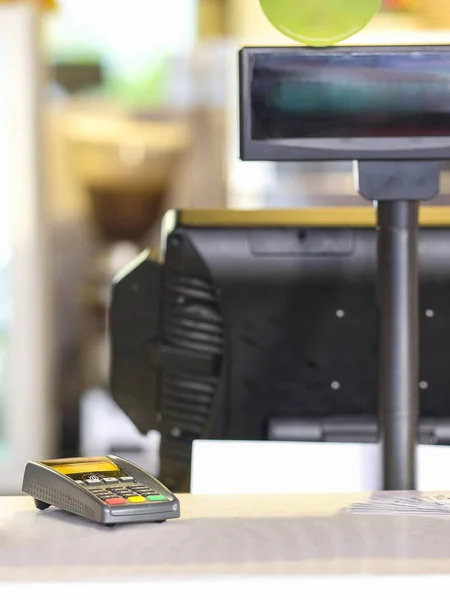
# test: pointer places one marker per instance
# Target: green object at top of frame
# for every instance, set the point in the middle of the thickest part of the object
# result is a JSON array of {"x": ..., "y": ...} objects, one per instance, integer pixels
[{"x": 320, "y": 22}]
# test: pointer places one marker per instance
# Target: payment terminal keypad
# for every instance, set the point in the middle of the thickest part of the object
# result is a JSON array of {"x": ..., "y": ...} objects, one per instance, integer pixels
[{"x": 129, "y": 491}]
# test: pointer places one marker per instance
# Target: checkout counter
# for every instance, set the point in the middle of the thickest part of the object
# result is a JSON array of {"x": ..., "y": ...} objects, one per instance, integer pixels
[{"x": 267, "y": 544}]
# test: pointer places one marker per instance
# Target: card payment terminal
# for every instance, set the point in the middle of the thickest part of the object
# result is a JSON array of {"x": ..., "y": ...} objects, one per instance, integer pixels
[{"x": 108, "y": 490}]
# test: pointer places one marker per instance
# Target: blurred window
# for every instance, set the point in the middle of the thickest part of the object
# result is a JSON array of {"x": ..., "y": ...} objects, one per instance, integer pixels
[{"x": 134, "y": 42}]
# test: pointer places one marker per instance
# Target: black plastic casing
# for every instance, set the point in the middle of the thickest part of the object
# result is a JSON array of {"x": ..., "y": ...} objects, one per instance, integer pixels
[{"x": 257, "y": 325}]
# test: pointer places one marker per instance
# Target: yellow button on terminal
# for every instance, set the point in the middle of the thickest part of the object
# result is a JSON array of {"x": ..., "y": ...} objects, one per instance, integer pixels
[{"x": 136, "y": 499}]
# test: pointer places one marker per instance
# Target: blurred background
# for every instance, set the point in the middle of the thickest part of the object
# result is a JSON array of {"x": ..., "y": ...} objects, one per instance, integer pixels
[{"x": 111, "y": 113}]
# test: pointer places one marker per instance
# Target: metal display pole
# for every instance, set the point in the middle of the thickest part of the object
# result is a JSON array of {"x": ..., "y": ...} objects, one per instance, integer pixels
[
  {"x": 398, "y": 187},
  {"x": 398, "y": 295}
]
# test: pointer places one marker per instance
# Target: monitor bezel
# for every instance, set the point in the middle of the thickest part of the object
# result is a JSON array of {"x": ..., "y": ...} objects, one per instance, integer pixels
[{"x": 331, "y": 149}]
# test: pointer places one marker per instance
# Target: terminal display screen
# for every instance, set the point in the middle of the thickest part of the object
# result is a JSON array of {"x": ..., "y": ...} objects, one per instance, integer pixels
[
  {"x": 350, "y": 95},
  {"x": 86, "y": 469}
]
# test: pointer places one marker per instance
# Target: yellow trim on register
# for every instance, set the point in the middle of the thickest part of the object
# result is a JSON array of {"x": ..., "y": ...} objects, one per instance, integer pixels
[{"x": 430, "y": 216}]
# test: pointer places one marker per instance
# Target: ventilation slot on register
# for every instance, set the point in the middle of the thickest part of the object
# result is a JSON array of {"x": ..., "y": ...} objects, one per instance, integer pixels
[
  {"x": 192, "y": 318},
  {"x": 187, "y": 403},
  {"x": 192, "y": 321}
]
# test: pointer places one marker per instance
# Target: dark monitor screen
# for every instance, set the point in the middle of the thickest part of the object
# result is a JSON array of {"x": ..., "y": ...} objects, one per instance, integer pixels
[
  {"x": 336, "y": 95},
  {"x": 345, "y": 103}
]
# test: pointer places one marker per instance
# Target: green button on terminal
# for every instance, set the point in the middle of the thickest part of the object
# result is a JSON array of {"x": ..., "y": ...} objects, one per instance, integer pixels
[{"x": 156, "y": 498}]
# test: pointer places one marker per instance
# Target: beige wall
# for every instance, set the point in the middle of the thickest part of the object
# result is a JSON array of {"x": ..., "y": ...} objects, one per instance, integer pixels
[
  {"x": 212, "y": 18},
  {"x": 242, "y": 19},
  {"x": 248, "y": 22},
  {"x": 66, "y": 200}
]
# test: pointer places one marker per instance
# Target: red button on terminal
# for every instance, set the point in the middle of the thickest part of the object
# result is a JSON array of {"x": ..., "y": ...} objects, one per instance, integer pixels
[{"x": 116, "y": 501}]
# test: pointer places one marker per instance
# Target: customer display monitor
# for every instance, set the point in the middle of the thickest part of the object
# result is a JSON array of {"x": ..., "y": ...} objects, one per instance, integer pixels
[{"x": 345, "y": 103}]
